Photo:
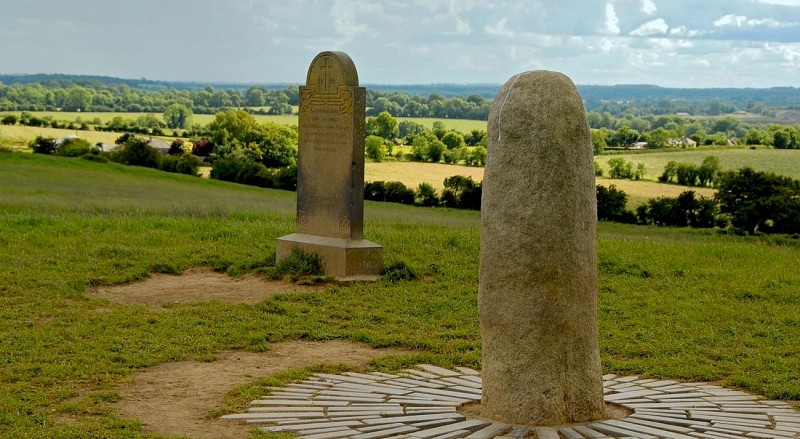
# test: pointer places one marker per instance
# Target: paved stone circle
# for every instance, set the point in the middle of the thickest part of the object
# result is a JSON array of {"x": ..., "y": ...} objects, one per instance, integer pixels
[{"x": 422, "y": 403}]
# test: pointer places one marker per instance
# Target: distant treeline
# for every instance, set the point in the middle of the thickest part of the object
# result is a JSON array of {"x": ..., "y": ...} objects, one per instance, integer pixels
[{"x": 468, "y": 101}]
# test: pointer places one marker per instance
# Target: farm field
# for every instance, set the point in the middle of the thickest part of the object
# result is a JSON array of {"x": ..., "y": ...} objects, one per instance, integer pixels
[
  {"x": 18, "y": 135},
  {"x": 780, "y": 161},
  {"x": 412, "y": 174},
  {"x": 463, "y": 125},
  {"x": 678, "y": 304}
]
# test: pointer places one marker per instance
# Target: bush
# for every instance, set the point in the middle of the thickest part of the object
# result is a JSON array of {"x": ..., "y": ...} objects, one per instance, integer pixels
[
  {"x": 611, "y": 204},
  {"x": 176, "y": 147},
  {"x": 203, "y": 147},
  {"x": 398, "y": 272},
  {"x": 43, "y": 145},
  {"x": 426, "y": 196},
  {"x": 136, "y": 152},
  {"x": 9, "y": 119},
  {"x": 462, "y": 193},
  {"x": 375, "y": 191},
  {"x": 397, "y": 192},
  {"x": 598, "y": 169},
  {"x": 74, "y": 147},
  {"x": 242, "y": 170},
  {"x": 183, "y": 164},
  {"x": 759, "y": 201},
  {"x": 684, "y": 211},
  {"x": 285, "y": 178}
]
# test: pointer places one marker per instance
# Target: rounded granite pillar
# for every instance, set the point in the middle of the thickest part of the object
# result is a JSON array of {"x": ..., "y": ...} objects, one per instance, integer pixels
[{"x": 538, "y": 263}]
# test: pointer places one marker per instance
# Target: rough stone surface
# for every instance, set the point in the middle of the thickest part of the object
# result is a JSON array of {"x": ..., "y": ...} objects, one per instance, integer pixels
[
  {"x": 538, "y": 267},
  {"x": 330, "y": 171}
]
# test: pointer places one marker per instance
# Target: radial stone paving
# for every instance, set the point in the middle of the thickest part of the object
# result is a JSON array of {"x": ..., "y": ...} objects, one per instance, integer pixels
[{"x": 421, "y": 403}]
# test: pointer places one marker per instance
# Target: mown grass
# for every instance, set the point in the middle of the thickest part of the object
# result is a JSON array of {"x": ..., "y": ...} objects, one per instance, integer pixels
[
  {"x": 780, "y": 161},
  {"x": 674, "y": 303}
]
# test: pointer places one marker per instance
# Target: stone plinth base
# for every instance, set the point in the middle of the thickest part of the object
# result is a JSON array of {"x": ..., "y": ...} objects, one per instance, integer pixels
[{"x": 342, "y": 258}]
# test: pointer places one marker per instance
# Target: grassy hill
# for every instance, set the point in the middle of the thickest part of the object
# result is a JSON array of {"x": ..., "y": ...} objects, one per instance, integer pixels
[{"x": 673, "y": 303}]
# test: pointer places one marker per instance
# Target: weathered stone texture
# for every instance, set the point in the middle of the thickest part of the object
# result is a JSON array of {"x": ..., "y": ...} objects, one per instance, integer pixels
[
  {"x": 538, "y": 267},
  {"x": 330, "y": 171}
]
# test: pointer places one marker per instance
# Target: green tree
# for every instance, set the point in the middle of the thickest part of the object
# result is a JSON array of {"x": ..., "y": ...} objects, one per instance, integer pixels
[
  {"x": 384, "y": 125},
  {"x": 426, "y": 196},
  {"x": 453, "y": 140},
  {"x": 43, "y": 145},
  {"x": 599, "y": 143},
  {"x": 625, "y": 137},
  {"x": 77, "y": 99},
  {"x": 435, "y": 151},
  {"x": 277, "y": 143},
  {"x": 233, "y": 127},
  {"x": 618, "y": 167},
  {"x": 760, "y": 201},
  {"x": 136, "y": 151},
  {"x": 178, "y": 116},
  {"x": 255, "y": 97},
  {"x": 374, "y": 149}
]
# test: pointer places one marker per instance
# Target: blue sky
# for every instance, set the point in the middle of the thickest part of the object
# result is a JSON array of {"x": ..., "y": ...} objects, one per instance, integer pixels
[{"x": 673, "y": 43}]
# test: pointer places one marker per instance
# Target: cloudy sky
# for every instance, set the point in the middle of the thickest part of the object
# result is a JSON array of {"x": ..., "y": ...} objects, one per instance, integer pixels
[{"x": 673, "y": 43}]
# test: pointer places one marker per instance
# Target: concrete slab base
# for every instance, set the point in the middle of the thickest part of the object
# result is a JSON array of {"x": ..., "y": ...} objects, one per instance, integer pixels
[{"x": 344, "y": 259}]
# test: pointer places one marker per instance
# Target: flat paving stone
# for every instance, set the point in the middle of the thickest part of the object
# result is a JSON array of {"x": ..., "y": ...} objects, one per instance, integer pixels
[{"x": 421, "y": 403}]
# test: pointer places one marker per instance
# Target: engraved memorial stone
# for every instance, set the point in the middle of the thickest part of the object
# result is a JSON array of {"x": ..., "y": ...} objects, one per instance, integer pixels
[{"x": 330, "y": 174}]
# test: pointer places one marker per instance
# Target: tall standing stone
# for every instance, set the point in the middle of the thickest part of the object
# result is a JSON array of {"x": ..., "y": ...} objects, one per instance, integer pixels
[
  {"x": 330, "y": 171},
  {"x": 538, "y": 263}
]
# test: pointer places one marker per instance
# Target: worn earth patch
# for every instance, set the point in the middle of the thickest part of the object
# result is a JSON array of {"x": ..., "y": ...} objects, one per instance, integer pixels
[
  {"x": 199, "y": 285},
  {"x": 175, "y": 398}
]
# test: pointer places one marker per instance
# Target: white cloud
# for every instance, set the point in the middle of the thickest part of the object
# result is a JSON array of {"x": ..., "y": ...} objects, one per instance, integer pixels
[
  {"x": 612, "y": 22},
  {"x": 649, "y": 7},
  {"x": 781, "y": 2},
  {"x": 789, "y": 52},
  {"x": 345, "y": 15},
  {"x": 499, "y": 29},
  {"x": 669, "y": 43},
  {"x": 743, "y": 22},
  {"x": 653, "y": 27},
  {"x": 683, "y": 31}
]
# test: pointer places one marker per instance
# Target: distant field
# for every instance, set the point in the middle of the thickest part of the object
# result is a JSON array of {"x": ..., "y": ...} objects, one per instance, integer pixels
[
  {"x": 463, "y": 125},
  {"x": 17, "y": 135},
  {"x": 780, "y": 161},
  {"x": 412, "y": 174},
  {"x": 104, "y": 117}
]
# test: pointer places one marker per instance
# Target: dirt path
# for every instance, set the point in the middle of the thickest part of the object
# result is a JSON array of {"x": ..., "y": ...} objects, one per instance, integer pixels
[
  {"x": 174, "y": 398},
  {"x": 198, "y": 285}
]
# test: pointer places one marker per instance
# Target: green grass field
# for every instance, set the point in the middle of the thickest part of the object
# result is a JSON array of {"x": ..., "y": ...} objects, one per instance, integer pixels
[
  {"x": 673, "y": 303},
  {"x": 18, "y": 135},
  {"x": 780, "y": 161},
  {"x": 463, "y": 125}
]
